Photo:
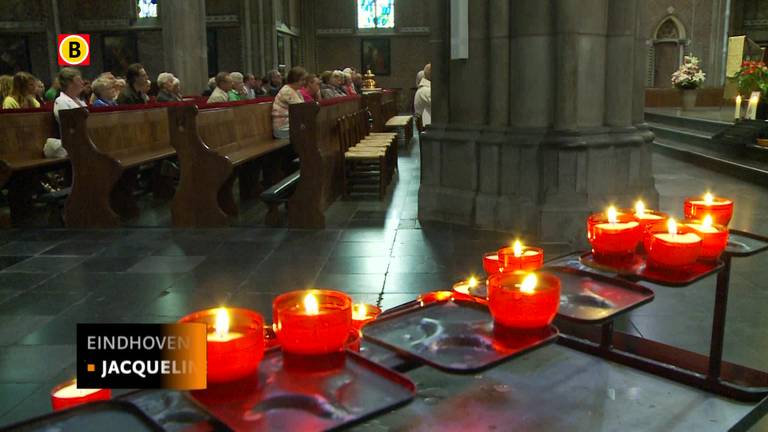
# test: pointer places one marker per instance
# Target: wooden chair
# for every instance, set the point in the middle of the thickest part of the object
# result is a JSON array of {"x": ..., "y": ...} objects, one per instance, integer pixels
[{"x": 363, "y": 164}]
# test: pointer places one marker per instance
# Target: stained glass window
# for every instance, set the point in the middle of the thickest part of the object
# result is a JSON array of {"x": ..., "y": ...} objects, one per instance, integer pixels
[
  {"x": 147, "y": 8},
  {"x": 375, "y": 14}
]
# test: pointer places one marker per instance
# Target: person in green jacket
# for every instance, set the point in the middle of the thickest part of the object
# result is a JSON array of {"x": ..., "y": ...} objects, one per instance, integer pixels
[
  {"x": 52, "y": 93},
  {"x": 238, "y": 91}
]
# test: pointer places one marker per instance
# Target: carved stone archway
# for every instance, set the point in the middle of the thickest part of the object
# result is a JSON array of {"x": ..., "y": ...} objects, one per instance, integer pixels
[{"x": 667, "y": 47}]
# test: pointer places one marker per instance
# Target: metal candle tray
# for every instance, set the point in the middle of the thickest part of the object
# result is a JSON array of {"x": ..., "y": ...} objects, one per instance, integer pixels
[
  {"x": 638, "y": 269},
  {"x": 92, "y": 417},
  {"x": 593, "y": 299},
  {"x": 174, "y": 411},
  {"x": 453, "y": 335},
  {"x": 281, "y": 398},
  {"x": 743, "y": 244}
]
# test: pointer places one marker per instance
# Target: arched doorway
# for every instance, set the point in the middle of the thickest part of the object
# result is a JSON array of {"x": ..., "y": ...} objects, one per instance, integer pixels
[{"x": 668, "y": 46}]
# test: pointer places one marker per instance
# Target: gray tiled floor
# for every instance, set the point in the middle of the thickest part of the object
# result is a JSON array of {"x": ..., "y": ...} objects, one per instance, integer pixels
[{"x": 378, "y": 251}]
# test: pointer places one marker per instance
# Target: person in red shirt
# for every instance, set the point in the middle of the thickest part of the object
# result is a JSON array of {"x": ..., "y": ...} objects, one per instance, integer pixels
[{"x": 311, "y": 89}]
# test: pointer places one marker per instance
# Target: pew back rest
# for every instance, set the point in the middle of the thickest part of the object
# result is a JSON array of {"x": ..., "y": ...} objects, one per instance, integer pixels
[
  {"x": 118, "y": 132},
  {"x": 316, "y": 138},
  {"x": 217, "y": 127},
  {"x": 23, "y": 135},
  {"x": 253, "y": 123}
]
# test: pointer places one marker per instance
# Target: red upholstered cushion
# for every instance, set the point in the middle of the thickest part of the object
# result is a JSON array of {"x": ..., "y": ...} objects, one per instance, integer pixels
[{"x": 262, "y": 99}]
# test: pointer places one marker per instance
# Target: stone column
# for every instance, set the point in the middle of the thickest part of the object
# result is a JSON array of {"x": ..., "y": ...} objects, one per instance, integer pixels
[
  {"x": 184, "y": 42},
  {"x": 574, "y": 140}
]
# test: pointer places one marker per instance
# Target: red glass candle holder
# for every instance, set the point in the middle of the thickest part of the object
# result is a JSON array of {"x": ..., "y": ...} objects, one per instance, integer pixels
[
  {"x": 530, "y": 259},
  {"x": 649, "y": 219},
  {"x": 67, "y": 395},
  {"x": 610, "y": 240},
  {"x": 239, "y": 353},
  {"x": 672, "y": 251},
  {"x": 491, "y": 263},
  {"x": 513, "y": 308},
  {"x": 714, "y": 239},
  {"x": 306, "y": 333},
  {"x": 362, "y": 314},
  {"x": 721, "y": 209}
]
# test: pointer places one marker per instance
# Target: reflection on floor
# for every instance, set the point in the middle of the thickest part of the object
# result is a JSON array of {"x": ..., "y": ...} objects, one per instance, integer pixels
[{"x": 379, "y": 252}]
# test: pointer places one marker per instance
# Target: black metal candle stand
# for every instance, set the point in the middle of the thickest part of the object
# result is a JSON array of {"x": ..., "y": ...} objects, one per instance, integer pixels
[{"x": 709, "y": 373}]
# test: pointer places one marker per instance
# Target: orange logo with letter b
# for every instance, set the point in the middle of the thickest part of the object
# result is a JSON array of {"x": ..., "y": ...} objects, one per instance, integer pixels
[{"x": 74, "y": 50}]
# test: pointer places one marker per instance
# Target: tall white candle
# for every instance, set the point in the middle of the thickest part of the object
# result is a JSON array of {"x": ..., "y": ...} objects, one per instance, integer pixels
[
  {"x": 752, "y": 106},
  {"x": 737, "y": 110}
]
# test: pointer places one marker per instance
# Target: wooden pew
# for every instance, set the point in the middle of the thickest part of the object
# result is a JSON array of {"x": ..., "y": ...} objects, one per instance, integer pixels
[
  {"x": 214, "y": 146},
  {"x": 315, "y": 137},
  {"x": 22, "y": 136},
  {"x": 106, "y": 149}
]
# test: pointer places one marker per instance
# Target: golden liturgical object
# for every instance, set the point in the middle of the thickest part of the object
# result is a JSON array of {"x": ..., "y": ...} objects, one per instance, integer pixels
[{"x": 369, "y": 83}]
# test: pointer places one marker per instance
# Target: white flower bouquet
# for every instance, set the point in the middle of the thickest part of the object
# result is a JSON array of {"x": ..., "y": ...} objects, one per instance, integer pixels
[{"x": 690, "y": 75}]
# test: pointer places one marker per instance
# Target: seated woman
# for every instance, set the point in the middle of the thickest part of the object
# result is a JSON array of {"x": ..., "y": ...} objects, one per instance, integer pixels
[
  {"x": 23, "y": 92},
  {"x": 349, "y": 86},
  {"x": 288, "y": 95},
  {"x": 165, "y": 83},
  {"x": 328, "y": 88},
  {"x": 104, "y": 91},
  {"x": 6, "y": 87},
  {"x": 71, "y": 86},
  {"x": 311, "y": 89}
]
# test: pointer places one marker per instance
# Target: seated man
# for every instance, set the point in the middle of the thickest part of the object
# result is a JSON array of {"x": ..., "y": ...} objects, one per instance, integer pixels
[
  {"x": 422, "y": 102},
  {"x": 165, "y": 84},
  {"x": 223, "y": 85},
  {"x": 135, "y": 92}
]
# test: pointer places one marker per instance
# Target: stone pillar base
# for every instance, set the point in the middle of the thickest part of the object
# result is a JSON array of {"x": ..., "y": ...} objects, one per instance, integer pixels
[{"x": 532, "y": 182}]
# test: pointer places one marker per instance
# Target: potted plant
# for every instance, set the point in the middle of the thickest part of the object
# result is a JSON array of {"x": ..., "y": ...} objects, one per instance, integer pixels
[
  {"x": 753, "y": 76},
  {"x": 688, "y": 78}
]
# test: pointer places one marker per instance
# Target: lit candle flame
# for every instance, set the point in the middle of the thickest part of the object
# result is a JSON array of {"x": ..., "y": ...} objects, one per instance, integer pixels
[
  {"x": 613, "y": 215},
  {"x": 672, "y": 226},
  {"x": 708, "y": 198},
  {"x": 310, "y": 304},
  {"x": 221, "y": 327},
  {"x": 707, "y": 222},
  {"x": 639, "y": 208},
  {"x": 517, "y": 248},
  {"x": 529, "y": 284},
  {"x": 359, "y": 312},
  {"x": 472, "y": 282}
]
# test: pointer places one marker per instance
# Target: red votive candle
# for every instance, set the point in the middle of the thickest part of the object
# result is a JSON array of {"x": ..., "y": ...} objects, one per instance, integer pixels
[
  {"x": 613, "y": 234},
  {"x": 721, "y": 209},
  {"x": 648, "y": 219},
  {"x": 674, "y": 248},
  {"x": 66, "y": 395},
  {"x": 521, "y": 300},
  {"x": 465, "y": 287},
  {"x": 235, "y": 342},
  {"x": 491, "y": 263},
  {"x": 312, "y": 322},
  {"x": 362, "y": 314},
  {"x": 714, "y": 238},
  {"x": 519, "y": 257}
]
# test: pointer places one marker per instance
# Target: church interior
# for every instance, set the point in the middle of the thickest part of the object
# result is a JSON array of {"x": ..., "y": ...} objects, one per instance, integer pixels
[{"x": 375, "y": 215}]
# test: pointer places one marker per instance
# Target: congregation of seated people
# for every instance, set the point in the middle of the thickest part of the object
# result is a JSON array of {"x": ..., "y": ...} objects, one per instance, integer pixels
[{"x": 69, "y": 89}]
